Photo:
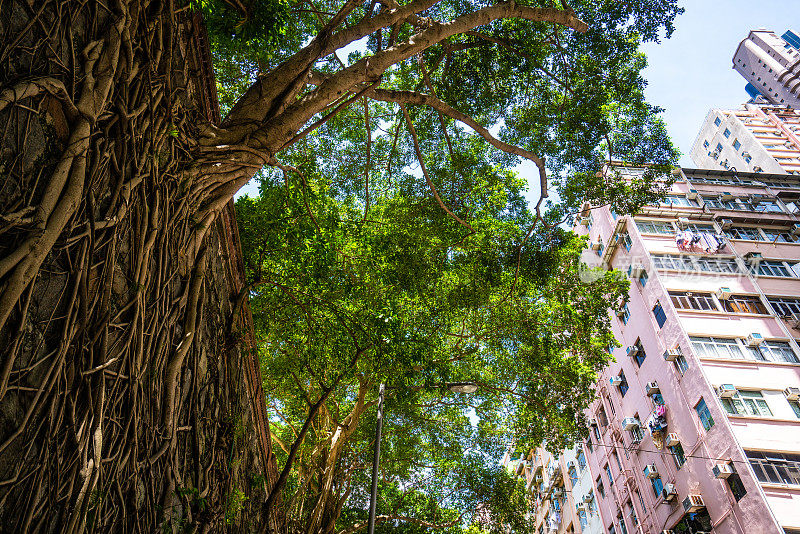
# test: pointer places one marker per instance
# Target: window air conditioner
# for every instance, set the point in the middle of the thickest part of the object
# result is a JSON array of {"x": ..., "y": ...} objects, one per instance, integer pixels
[
  {"x": 650, "y": 471},
  {"x": 633, "y": 351},
  {"x": 620, "y": 313},
  {"x": 629, "y": 423},
  {"x": 672, "y": 354},
  {"x": 667, "y": 532},
  {"x": 726, "y": 391},
  {"x": 671, "y": 440},
  {"x": 558, "y": 492},
  {"x": 725, "y": 196},
  {"x": 584, "y": 221},
  {"x": 669, "y": 493},
  {"x": 792, "y": 394},
  {"x": 588, "y": 498},
  {"x": 723, "y": 470},
  {"x": 795, "y": 229},
  {"x": 683, "y": 222},
  {"x": 636, "y": 270},
  {"x": 714, "y": 154},
  {"x": 754, "y": 339},
  {"x": 693, "y": 503},
  {"x": 615, "y": 381},
  {"x": 652, "y": 388},
  {"x": 691, "y": 194},
  {"x": 724, "y": 293},
  {"x": 755, "y": 200},
  {"x": 726, "y": 223},
  {"x": 753, "y": 257},
  {"x": 597, "y": 245}
]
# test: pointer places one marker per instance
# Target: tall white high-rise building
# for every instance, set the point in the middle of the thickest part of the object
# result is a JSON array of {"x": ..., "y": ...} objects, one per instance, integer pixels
[
  {"x": 753, "y": 138},
  {"x": 771, "y": 66}
]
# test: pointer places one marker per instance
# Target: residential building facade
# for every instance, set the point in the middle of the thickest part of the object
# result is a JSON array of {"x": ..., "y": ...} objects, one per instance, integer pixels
[
  {"x": 771, "y": 65},
  {"x": 696, "y": 425},
  {"x": 753, "y": 138}
]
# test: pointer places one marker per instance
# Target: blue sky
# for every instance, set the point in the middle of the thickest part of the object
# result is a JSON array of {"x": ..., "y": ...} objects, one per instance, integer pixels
[{"x": 692, "y": 72}]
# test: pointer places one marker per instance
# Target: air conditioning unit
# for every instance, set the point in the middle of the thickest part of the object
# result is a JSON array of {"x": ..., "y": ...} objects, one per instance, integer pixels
[
  {"x": 584, "y": 221},
  {"x": 667, "y": 532},
  {"x": 620, "y": 313},
  {"x": 795, "y": 229},
  {"x": 589, "y": 497},
  {"x": 792, "y": 394},
  {"x": 683, "y": 222},
  {"x": 691, "y": 194},
  {"x": 636, "y": 270},
  {"x": 596, "y": 245},
  {"x": 558, "y": 492},
  {"x": 592, "y": 422},
  {"x": 754, "y": 339},
  {"x": 725, "y": 196},
  {"x": 615, "y": 381},
  {"x": 693, "y": 503},
  {"x": 633, "y": 351},
  {"x": 672, "y": 354},
  {"x": 746, "y": 154},
  {"x": 652, "y": 388},
  {"x": 650, "y": 471},
  {"x": 714, "y": 154},
  {"x": 755, "y": 200},
  {"x": 629, "y": 423},
  {"x": 671, "y": 440},
  {"x": 753, "y": 257},
  {"x": 726, "y": 223},
  {"x": 669, "y": 493},
  {"x": 794, "y": 320},
  {"x": 726, "y": 391},
  {"x": 724, "y": 293},
  {"x": 723, "y": 470}
]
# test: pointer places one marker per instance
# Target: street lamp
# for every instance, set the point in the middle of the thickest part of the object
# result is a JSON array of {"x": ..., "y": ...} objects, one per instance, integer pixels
[{"x": 455, "y": 387}]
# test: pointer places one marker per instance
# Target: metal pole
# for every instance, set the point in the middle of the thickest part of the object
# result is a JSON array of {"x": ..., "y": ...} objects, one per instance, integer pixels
[{"x": 373, "y": 498}]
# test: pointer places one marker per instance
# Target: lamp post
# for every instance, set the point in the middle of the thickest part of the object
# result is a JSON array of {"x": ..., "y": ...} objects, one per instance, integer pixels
[{"x": 455, "y": 387}]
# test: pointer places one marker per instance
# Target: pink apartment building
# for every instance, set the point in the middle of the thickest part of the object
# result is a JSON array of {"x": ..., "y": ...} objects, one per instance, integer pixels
[{"x": 697, "y": 424}]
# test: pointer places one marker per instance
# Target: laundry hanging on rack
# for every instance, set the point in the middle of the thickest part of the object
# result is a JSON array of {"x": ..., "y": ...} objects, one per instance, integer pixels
[{"x": 707, "y": 242}]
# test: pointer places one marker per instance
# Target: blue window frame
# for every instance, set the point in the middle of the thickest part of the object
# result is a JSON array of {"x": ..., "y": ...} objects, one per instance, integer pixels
[
  {"x": 657, "y": 486},
  {"x": 643, "y": 278},
  {"x": 623, "y": 387},
  {"x": 610, "y": 477},
  {"x": 678, "y": 455},
  {"x": 736, "y": 144},
  {"x": 717, "y": 121},
  {"x": 640, "y": 354},
  {"x": 704, "y": 414},
  {"x": 626, "y": 315},
  {"x": 726, "y": 133},
  {"x": 660, "y": 315}
]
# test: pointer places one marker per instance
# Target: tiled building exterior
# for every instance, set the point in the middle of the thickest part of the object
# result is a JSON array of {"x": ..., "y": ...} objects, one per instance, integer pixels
[
  {"x": 710, "y": 334},
  {"x": 771, "y": 66},
  {"x": 753, "y": 138}
]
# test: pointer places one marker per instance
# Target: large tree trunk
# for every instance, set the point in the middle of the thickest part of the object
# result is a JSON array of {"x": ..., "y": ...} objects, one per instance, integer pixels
[{"x": 129, "y": 395}]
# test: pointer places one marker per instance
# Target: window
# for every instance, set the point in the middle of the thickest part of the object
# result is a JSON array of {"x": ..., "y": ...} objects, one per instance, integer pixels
[
  {"x": 778, "y": 236},
  {"x": 679, "y": 200},
  {"x": 657, "y": 486},
  {"x": 658, "y": 313},
  {"x": 690, "y": 300},
  {"x": 795, "y": 407},
  {"x": 632, "y": 515},
  {"x": 775, "y": 268},
  {"x": 626, "y": 314},
  {"x": 678, "y": 455},
  {"x": 581, "y": 460},
  {"x": 681, "y": 364},
  {"x": 601, "y": 490},
  {"x": 601, "y": 416},
  {"x": 623, "y": 529},
  {"x": 774, "y": 351},
  {"x": 694, "y": 263},
  {"x": 704, "y": 414},
  {"x": 573, "y": 475},
  {"x": 751, "y": 234},
  {"x": 623, "y": 386},
  {"x": 717, "y": 347},
  {"x": 775, "y": 467},
  {"x": 582, "y": 519},
  {"x": 643, "y": 278},
  {"x": 705, "y": 144},
  {"x": 736, "y": 144},
  {"x": 726, "y": 133},
  {"x": 747, "y": 403},
  {"x": 607, "y": 469},
  {"x": 743, "y": 304},
  {"x": 718, "y": 148},
  {"x": 655, "y": 227},
  {"x": 736, "y": 485},
  {"x": 627, "y": 241},
  {"x": 616, "y": 457},
  {"x": 640, "y": 354},
  {"x": 717, "y": 121}
]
